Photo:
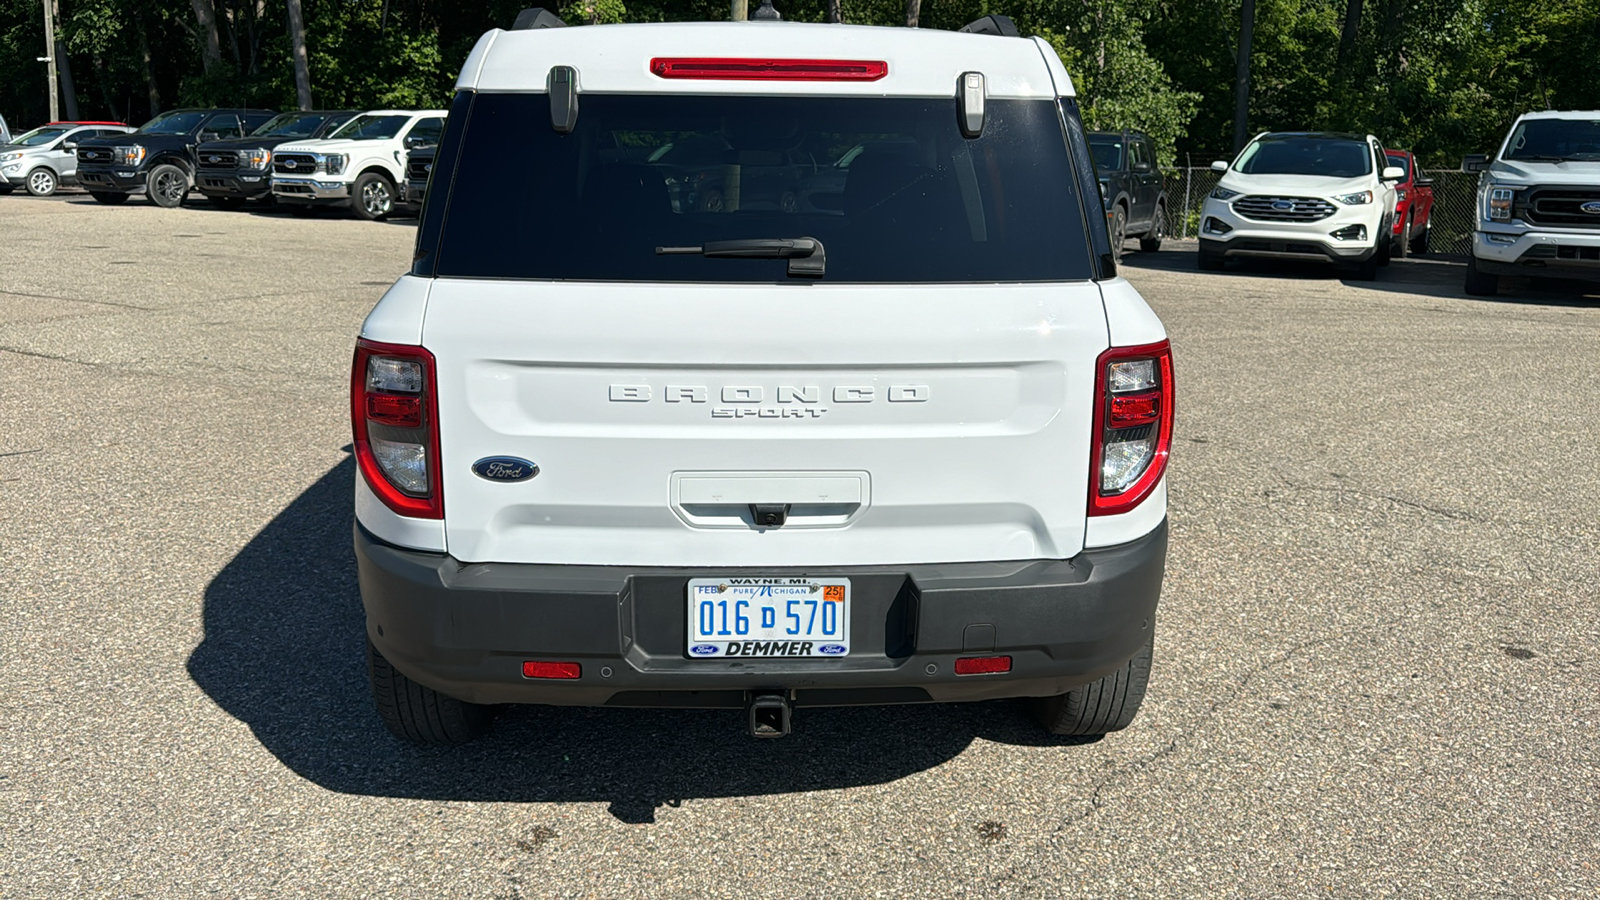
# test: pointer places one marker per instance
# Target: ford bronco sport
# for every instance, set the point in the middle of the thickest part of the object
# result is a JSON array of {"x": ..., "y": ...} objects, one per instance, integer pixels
[{"x": 614, "y": 451}]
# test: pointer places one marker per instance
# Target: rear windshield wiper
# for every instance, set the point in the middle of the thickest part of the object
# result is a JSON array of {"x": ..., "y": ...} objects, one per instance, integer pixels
[{"x": 805, "y": 256}]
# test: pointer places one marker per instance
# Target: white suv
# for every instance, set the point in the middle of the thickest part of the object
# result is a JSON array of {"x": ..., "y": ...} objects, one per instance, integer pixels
[
  {"x": 1538, "y": 210},
  {"x": 1307, "y": 196},
  {"x": 359, "y": 166},
  {"x": 906, "y": 442}
]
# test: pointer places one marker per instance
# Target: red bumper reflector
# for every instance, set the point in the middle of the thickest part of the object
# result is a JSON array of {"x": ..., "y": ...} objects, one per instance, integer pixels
[
  {"x": 771, "y": 69},
  {"x": 532, "y": 669},
  {"x": 1137, "y": 409},
  {"x": 983, "y": 665},
  {"x": 391, "y": 409}
]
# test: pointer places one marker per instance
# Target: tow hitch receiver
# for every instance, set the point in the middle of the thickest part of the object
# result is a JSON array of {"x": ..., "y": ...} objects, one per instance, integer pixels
[{"x": 769, "y": 715}]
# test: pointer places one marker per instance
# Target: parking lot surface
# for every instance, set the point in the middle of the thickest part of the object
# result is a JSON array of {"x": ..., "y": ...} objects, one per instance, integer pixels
[{"x": 1376, "y": 664}]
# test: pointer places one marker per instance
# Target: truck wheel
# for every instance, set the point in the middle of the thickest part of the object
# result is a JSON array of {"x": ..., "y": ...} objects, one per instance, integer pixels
[
  {"x": 1150, "y": 241},
  {"x": 374, "y": 196},
  {"x": 1480, "y": 284},
  {"x": 1404, "y": 246},
  {"x": 1099, "y": 706},
  {"x": 1367, "y": 269},
  {"x": 420, "y": 714},
  {"x": 1385, "y": 244},
  {"x": 1419, "y": 243},
  {"x": 42, "y": 182},
  {"x": 109, "y": 198},
  {"x": 1211, "y": 261},
  {"x": 228, "y": 203},
  {"x": 1119, "y": 232},
  {"x": 167, "y": 186}
]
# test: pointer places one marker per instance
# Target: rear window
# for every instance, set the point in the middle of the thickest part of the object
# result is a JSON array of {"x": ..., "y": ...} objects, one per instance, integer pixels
[{"x": 889, "y": 186}]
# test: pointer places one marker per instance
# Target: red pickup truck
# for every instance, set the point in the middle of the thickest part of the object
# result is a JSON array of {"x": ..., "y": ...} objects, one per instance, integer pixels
[{"x": 1413, "y": 207}]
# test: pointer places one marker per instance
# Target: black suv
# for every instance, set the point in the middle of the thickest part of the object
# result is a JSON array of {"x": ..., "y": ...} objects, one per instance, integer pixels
[
  {"x": 1134, "y": 193},
  {"x": 233, "y": 171},
  {"x": 160, "y": 158}
]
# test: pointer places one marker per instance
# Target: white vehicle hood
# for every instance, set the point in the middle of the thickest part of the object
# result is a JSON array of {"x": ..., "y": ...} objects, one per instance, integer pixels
[
  {"x": 1313, "y": 185},
  {"x": 1582, "y": 174},
  {"x": 352, "y": 147}
]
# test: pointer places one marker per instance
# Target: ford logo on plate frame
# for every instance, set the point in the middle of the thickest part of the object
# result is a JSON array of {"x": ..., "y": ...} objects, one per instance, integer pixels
[
  {"x": 504, "y": 468},
  {"x": 704, "y": 649},
  {"x": 833, "y": 649},
  {"x": 1592, "y": 208}
]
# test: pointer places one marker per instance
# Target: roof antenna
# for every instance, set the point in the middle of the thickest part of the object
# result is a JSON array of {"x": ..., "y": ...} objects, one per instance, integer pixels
[{"x": 766, "y": 13}]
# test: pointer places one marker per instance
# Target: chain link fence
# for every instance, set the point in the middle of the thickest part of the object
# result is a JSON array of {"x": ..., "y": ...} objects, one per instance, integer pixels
[{"x": 1454, "y": 204}]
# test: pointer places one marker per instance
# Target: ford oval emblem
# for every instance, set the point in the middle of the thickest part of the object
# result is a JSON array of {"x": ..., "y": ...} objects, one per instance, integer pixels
[
  {"x": 1592, "y": 207},
  {"x": 1282, "y": 204},
  {"x": 504, "y": 468},
  {"x": 832, "y": 649},
  {"x": 289, "y": 164},
  {"x": 704, "y": 649}
]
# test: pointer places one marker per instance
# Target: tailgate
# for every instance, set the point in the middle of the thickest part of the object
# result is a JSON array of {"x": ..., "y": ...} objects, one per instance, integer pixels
[{"x": 896, "y": 424}]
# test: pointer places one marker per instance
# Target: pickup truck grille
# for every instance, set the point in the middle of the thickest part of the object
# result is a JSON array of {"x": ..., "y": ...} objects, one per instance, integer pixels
[
  {"x": 94, "y": 156},
  {"x": 219, "y": 159},
  {"x": 1562, "y": 206},
  {"x": 294, "y": 164},
  {"x": 418, "y": 169},
  {"x": 1283, "y": 209}
]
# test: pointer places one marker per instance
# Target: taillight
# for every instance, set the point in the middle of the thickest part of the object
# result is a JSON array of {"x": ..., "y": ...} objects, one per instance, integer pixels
[
  {"x": 771, "y": 69},
  {"x": 1132, "y": 426},
  {"x": 393, "y": 404}
]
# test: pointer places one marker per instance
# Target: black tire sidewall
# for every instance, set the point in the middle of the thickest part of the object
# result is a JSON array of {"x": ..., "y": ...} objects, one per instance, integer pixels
[
  {"x": 153, "y": 180},
  {"x": 55, "y": 182},
  {"x": 357, "y": 204}
]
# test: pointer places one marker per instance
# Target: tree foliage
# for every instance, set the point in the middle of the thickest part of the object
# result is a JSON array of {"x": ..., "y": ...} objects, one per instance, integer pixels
[{"x": 1441, "y": 77}]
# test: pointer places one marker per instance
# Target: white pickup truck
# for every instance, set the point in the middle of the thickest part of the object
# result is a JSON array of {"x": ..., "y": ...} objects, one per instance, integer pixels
[
  {"x": 1538, "y": 211},
  {"x": 357, "y": 166}
]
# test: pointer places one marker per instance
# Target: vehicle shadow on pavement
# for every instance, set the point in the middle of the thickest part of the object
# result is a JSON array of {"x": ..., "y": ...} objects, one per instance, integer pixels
[
  {"x": 284, "y": 653},
  {"x": 1430, "y": 275}
]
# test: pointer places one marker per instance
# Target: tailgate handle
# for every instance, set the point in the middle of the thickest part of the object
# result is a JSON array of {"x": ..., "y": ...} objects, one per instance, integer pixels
[{"x": 770, "y": 499}]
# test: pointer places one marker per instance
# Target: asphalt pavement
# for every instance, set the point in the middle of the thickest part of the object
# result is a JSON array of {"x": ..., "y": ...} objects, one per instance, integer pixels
[{"x": 1377, "y": 657}]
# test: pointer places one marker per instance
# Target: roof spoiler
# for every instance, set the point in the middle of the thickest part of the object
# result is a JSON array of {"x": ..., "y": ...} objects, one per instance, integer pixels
[
  {"x": 1000, "y": 26},
  {"x": 536, "y": 17}
]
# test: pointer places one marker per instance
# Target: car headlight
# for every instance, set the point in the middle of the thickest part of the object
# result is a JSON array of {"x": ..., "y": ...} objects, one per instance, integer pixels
[
  {"x": 1500, "y": 200},
  {"x": 1223, "y": 194},
  {"x": 1356, "y": 199},
  {"x": 334, "y": 163},
  {"x": 8, "y": 157},
  {"x": 130, "y": 156},
  {"x": 255, "y": 159}
]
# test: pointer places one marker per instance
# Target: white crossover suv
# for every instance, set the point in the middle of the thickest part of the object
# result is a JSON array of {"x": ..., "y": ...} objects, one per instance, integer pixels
[
  {"x": 1303, "y": 196},
  {"x": 905, "y": 442},
  {"x": 1538, "y": 210},
  {"x": 359, "y": 167}
]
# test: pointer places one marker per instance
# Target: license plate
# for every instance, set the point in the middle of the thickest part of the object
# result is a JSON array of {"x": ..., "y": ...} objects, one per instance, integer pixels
[{"x": 766, "y": 618}]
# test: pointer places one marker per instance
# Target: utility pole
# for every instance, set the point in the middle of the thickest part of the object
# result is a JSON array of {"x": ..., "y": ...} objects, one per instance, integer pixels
[
  {"x": 740, "y": 11},
  {"x": 1241, "y": 85},
  {"x": 49, "y": 57}
]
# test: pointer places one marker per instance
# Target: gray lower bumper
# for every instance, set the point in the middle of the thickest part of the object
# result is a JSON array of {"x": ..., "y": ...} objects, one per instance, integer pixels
[
  {"x": 465, "y": 630},
  {"x": 308, "y": 189},
  {"x": 1264, "y": 248}
]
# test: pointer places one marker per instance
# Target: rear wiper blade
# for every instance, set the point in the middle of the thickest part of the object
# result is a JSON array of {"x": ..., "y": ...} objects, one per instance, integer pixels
[{"x": 805, "y": 255}]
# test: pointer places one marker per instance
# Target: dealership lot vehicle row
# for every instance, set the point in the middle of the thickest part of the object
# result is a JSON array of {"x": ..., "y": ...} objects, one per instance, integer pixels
[{"x": 1376, "y": 652}]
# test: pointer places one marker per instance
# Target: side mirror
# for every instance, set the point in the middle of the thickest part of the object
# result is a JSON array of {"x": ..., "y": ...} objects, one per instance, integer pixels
[
  {"x": 1393, "y": 173},
  {"x": 209, "y": 136},
  {"x": 1219, "y": 166},
  {"x": 1141, "y": 167},
  {"x": 1474, "y": 162},
  {"x": 69, "y": 145}
]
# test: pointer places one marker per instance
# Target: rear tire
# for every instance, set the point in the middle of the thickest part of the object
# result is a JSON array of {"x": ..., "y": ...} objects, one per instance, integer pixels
[
  {"x": 109, "y": 198},
  {"x": 1150, "y": 242},
  {"x": 420, "y": 714},
  {"x": 1402, "y": 248},
  {"x": 1100, "y": 706},
  {"x": 167, "y": 186},
  {"x": 1480, "y": 284},
  {"x": 1119, "y": 231},
  {"x": 1419, "y": 243}
]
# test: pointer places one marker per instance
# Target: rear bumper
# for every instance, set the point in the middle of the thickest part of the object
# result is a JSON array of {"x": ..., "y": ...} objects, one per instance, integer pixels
[
  {"x": 465, "y": 630},
  {"x": 225, "y": 183},
  {"x": 124, "y": 181}
]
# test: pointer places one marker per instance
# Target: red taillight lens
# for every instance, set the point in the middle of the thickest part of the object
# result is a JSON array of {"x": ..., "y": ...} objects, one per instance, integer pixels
[
  {"x": 533, "y": 669},
  {"x": 770, "y": 69},
  {"x": 983, "y": 665},
  {"x": 1132, "y": 426},
  {"x": 393, "y": 412}
]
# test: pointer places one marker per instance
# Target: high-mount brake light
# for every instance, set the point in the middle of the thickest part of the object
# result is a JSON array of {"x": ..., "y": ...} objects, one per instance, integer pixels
[
  {"x": 1132, "y": 426},
  {"x": 770, "y": 69},
  {"x": 393, "y": 412}
]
